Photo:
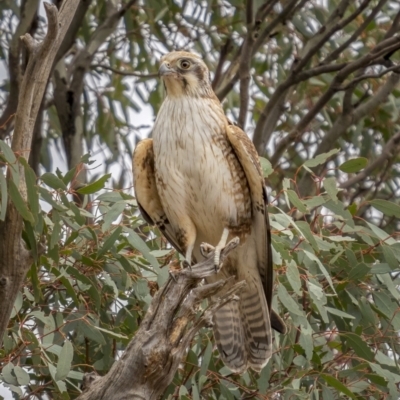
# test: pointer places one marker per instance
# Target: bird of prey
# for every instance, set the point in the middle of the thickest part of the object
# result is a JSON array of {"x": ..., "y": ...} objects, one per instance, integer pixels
[{"x": 199, "y": 180}]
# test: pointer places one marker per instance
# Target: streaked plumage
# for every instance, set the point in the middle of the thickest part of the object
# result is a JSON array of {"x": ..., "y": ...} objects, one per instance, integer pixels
[{"x": 199, "y": 179}]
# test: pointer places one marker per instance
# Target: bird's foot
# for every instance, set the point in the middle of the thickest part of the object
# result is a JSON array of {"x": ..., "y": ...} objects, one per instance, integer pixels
[
  {"x": 206, "y": 249},
  {"x": 208, "y": 267},
  {"x": 186, "y": 264}
]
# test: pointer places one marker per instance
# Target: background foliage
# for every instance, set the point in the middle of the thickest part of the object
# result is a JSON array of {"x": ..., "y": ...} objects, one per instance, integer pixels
[{"x": 321, "y": 106}]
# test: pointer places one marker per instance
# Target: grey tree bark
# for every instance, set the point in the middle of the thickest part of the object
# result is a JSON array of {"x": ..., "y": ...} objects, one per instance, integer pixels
[{"x": 15, "y": 260}]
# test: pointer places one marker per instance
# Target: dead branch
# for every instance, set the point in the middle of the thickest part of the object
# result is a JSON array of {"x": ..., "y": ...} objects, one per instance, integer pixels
[{"x": 151, "y": 359}]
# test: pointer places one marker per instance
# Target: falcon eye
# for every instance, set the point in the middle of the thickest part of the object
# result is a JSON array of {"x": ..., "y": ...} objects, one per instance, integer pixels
[{"x": 184, "y": 64}]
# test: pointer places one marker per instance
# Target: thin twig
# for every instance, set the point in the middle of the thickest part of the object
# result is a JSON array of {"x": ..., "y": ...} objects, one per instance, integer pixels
[{"x": 125, "y": 73}]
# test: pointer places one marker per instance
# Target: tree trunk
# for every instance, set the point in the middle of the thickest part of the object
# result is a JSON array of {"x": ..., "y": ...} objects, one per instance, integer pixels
[{"x": 15, "y": 260}]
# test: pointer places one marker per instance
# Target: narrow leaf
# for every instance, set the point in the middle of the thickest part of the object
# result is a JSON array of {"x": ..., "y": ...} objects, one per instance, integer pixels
[
  {"x": 64, "y": 361},
  {"x": 293, "y": 276},
  {"x": 3, "y": 197},
  {"x": 91, "y": 332},
  {"x": 333, "y": 382},
  {"x": 331, "y": 188},
  {"x": 386, "y": 207},
  {"x": 19, "y": 203},
  {"x": 21, "y": 375},
  {"x": 339, "y": 313},
  {"x": 361, "y": 348},
  {"x": 354, "y": 165},
  {"x": 294, "y": 199},
  {"x": 320, "y": 159},
  {"x": 32, "y": 190},
  {"x": 94, "y": 186},
  {"x": 110, "y": 242},
  {"x": 53, "y": 181}
]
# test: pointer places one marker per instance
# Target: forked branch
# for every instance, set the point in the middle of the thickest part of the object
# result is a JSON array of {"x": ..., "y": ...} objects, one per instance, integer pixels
[{"x": 151, "y": 359}]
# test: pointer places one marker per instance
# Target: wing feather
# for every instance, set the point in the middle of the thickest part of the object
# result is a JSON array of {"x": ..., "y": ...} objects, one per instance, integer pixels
[
  {"x": 146, "y": 192},
  {"x": 248, "y": 158}
]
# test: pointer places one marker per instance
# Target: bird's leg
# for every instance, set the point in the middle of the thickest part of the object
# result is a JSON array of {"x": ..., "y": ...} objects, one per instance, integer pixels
[
  {"x": 188, "y": 256},
  {"x": 186, "y": 236},
  {"x": 221, "y": 244}
]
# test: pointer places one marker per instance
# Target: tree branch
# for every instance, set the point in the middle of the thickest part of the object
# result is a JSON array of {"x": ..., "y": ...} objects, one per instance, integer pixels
[
  {"x": 380, "y": 50},
  {"x": 336, "y": 53},
  {"x": 390, "y": 150},
  {"x": 245, "y": 65},
  {"x": 274, "y": 108},
  {"x": 125, "y": 73},
  {"x": 231, "y": 76},
  {"x": 165, "y": 334}
]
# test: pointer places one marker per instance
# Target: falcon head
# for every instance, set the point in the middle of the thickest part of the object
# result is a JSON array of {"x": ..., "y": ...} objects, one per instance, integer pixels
[{"x": 185, "y": 74}]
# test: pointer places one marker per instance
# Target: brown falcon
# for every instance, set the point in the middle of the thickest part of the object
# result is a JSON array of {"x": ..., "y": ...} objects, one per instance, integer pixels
[{"x": 199, "y": 180}]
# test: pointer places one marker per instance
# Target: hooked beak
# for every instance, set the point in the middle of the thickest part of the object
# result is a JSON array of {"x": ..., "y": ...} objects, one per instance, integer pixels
[{"x": 165, "y": 70}]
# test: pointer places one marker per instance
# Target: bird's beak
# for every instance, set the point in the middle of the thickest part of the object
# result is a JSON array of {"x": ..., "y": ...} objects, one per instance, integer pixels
[{"x": 165, "y": 70}]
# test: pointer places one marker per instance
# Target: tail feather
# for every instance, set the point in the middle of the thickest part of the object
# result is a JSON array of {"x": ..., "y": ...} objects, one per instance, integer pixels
[
  {"x": 229, "y": 336},
  {"x": 242, "y": 331},
  {"x": 255, "y": 317}
]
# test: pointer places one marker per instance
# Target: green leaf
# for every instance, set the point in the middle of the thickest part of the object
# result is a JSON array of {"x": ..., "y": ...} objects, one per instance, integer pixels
[
  {"x": 354, "y": 165},
  {"x": 69, "y": 176},
  {"x": 288, "y": 301},
  {"x": 19, "y": 203},
  {"x": 386, "y": 207},
  {"x": 53, "y": 181},
  {"x": 266, "y": 167},
  {"x": 333, "y": 382},
  {"x": 64, "y": 361},
  {"x": 21, "y": 375},
  {"x": 339, "y": 313},
  {"x": 320, "y": 159},
  {"x": 137, "y": 242},
  {"x": 361, "y": 348},
  {"x": 381, "y": 268},
  {"x": 91, "y": 332},
  {"x": 390, "y": 257},
  {"x": 112, "y": 214},
  {"x": 313, "y": 257},
  {"x": 7, "y": 374},
  {"x": 110, "y": 242},
  {"x": 3, "y": 197},
  {"x": 206, "y": 359},
  {"x": 17, "y": 305},
  {"x": 331, "y": 188},
  {"x": 304, "y": 227},
  {"x": 294, "y": 199},
  {"x": 94, "y": 186},
  {"x": 381, "y": 234},
  {"x": 293, "y": 276},
  {"x": 358, "y": 272},
  {"x": 32, "y": 189},
  {"x": 8, "y": 154}
]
